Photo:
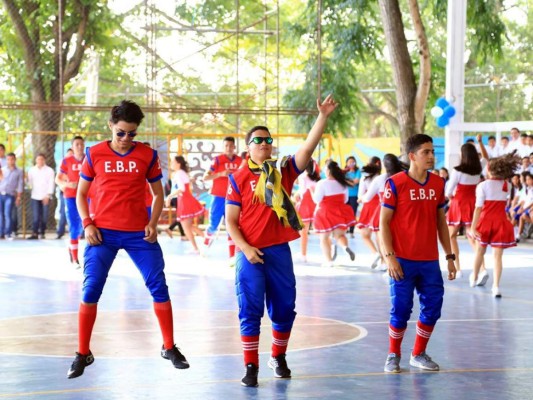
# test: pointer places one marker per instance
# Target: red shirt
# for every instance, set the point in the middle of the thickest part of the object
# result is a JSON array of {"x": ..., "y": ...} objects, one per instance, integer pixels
[
  {"x": 71, "y": 167},
  {"x": 222, "y": 163},
  {"x": 119, "y": 183},
  {"x": 260, "y": 225},
  {"x": 414, "y": 222}
]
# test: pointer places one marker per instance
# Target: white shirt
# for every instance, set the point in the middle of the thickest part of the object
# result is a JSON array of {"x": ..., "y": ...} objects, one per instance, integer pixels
[
  {"x": 180, "y": 179},
  {"x": 305, "y": 183},
  {"x": 376, "y": 186},
  {"x": 490, "y": 190},
  {"x": 494, "y": 151},
  {"x": 41, "y": 181},
  {"x": 329, "y": 187},
  {"x": 457, "y": 178}
]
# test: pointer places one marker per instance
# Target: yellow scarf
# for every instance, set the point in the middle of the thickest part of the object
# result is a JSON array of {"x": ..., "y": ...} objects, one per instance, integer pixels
[{"x": 271, "y": 192}]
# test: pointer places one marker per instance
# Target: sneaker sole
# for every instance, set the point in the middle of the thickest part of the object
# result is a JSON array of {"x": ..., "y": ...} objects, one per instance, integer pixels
[
  {"x": 396, "y": 371},
  {"x": 273, "y": 368},
  {"x": 423, "y": 367},
  {"x": 483, "y": 280},
  {"x": 181, "y": 366},
  {"x": 245, "y": 385}
]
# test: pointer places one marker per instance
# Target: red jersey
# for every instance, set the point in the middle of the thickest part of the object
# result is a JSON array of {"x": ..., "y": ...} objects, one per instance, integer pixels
[
  {"x": 222, "y": 163},
  {"x": 71, "y": 167},
  {"x": 258, "y": 223},
  {"x": 119, "y": 182},
  {"x": 414, "y": 222}
]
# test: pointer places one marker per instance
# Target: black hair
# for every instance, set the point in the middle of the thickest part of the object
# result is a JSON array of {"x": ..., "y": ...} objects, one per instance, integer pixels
[
  {"x": 229, "y": 139},
  {"x": 336, "y": 173},
  {"x": 447, "y": 172},
  {"x": 255, "y": 128},
  {"x": 127, "y": 111},
  {"x": 184, "y": 165},
  {"x": 393, "y": 165},
  {"x": 492, "y": 138},
  {"x": 311, "y": 170},
  {"x": 2, "y": 147},
  {"x": 414, "y": 142},
  {"x": 373, "y": 168},
  {"x": 77, "y": 138},
  {"x": 352, "y": 158},
  {"x": 470, "y": 163},
  {"x": 11, "y": 155},
  {"x": 505, "y": 138},
  {"x": 469, "y": 141}
]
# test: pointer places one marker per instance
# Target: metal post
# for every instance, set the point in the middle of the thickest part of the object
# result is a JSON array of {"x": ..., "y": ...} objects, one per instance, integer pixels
[{"x": 455, "y": 80}]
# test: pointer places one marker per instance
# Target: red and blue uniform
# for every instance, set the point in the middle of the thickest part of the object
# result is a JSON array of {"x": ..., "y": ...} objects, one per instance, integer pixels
[
  {"x": 273, "y": 281},
  {"x": 71, "y": 167},
  {"x": 118, "y": 187},
  {"x": 220, "y": 163},
  {"x": 415, "y": 243}
]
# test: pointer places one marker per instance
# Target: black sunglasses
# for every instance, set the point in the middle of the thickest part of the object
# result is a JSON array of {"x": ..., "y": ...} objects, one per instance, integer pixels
[
  {"x": 131, "y": 134},
  {"x": 259, "y": 140}
]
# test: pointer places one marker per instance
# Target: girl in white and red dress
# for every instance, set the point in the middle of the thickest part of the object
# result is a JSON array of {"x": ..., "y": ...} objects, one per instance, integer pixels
[
  {"x": 392, "y": 166},
  {"x": 367, "y": 219},
  {"x": 332, "y": 214},
  {"x": 188, "y": 206},
  {"x": 461, "y": 191},
  {"x": 490, "y": 224},
  {"x": 305, "y": 205}
]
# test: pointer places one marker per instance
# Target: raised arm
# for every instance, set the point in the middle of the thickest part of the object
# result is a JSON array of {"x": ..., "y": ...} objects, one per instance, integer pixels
[{"x": 304, "y": 153}]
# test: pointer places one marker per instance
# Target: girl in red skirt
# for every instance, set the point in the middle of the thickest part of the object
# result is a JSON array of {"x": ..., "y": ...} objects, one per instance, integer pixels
[
  {"x": 188, "y": 206},
  {"x": 461, "y": 190},
  {"x": 490, "y": 224},
  {"x": 367, "y": 223},
  {"x": 332, "y": 214},
  {"x": 305, "y": 205}
]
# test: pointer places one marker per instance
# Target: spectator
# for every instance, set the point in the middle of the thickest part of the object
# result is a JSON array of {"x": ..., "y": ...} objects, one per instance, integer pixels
[
  {"x": 492, "y": 148},
  {"x": 11, "y": 186},
  {"x": 61, "y": 225},
  {"x": 3, "y": 160},
  {"x": 41, "y": 180}
]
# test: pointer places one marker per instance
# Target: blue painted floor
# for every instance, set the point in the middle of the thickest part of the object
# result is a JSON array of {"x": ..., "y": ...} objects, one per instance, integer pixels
[{"x": 337, "y": 349}]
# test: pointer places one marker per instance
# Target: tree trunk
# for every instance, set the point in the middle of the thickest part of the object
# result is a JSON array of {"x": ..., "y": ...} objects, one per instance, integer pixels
[{"x": 402, "y": 68}]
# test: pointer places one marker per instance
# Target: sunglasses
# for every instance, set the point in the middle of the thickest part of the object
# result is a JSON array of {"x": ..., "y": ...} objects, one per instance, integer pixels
[
  {"x": 259, "y": 140},
  {"x": 131, "y": 134}
]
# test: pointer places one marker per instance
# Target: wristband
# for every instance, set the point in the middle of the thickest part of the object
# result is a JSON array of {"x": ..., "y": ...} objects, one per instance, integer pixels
[
  {"x": 450, "y": 256},
  {"x": 389, "y": 254},
  {"x": 86, "y": 222}
]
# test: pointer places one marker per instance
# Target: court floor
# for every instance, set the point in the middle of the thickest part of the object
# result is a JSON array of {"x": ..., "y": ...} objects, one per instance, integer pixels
[{"x": 337, "y": 349}]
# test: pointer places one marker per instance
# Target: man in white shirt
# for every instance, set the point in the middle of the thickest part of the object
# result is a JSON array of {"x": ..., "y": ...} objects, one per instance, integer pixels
[
  {"x": 41, "y": 180},
  {"x": 493, "y": 149},
  {"x": 514, "y": 139},
  {"x": 3, "y": 159}
]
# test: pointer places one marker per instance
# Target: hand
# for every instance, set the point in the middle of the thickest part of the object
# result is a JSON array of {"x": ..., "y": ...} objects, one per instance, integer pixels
[
  {"x": 72, "y": 185},
  {"x": 394, "y": 268},
  {"x": 150, "y": 234},
  {"x": 479, "y": 137},
  {"x": 451, "y": 270},
  {"x": 93, "y": 235},
  {"x": 474, "y": 233},
  {"x": 17, "y": 201},
  {"x": 253, "y": 255},
  {"x": 327, "y": 107}
]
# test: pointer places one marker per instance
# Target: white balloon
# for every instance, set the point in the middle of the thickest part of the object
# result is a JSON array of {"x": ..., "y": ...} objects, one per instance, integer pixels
[{"x": 436, "y": 112}]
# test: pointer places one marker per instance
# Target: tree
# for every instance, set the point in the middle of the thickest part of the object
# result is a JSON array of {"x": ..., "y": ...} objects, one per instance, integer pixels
[{"x": 50, "y": 40}]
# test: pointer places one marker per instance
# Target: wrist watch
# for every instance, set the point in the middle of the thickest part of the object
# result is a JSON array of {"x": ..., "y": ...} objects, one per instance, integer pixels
[{"x": 450, "y": 256}]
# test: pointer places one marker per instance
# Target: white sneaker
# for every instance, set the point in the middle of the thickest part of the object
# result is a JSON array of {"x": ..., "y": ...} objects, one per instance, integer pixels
[
  {"x": 471, "y": 280},
  {"x": 328, "y": 264},
  {"x": 496, "y": 292},
  {"x": 482, "y": 278},
  {"x": 458, "y": 274},
  {"x": 232, "y": 262}
]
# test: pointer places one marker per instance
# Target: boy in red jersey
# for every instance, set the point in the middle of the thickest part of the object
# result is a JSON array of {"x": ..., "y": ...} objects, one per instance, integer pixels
[
  {"x": 222, "y": 166},
  {"x": 67, "y": 179},
  {"x": 412, "y": 221},
  {"x": 261, "y": 220},
  {"x": 117, "y": 170}
]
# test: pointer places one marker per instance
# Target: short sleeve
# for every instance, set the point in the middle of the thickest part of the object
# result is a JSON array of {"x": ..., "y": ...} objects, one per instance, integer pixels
[
  {"x": 390, "y": 195},
  {"x": 87, "y": 170},
  {"x": 64, "y": 168},
  {"x": 318, "y": 193},
  {"x": 289, "y": 174},
  {"x": 233, "y": 193},
  {"x": 214, "y": 165},
  {"x": 154, "y": 171},
  {"x": 480, "y": 195}
]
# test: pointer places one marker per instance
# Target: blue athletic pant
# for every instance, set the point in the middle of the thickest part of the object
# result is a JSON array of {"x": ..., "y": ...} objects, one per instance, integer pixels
[
  {"x": 73, "y": 218},
  {"x": 147, "y": 257},
  {"x": 272, "y": 282},
  {"x": 426, "y": 278},
  {"x": 216, "y": 213}
]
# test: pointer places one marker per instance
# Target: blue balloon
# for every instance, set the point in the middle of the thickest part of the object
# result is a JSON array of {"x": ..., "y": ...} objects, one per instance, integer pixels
[
  {"x": 442, "y": 121},
  {"x": 442, "y": 103},
  {"x": 449, "y": 111}
]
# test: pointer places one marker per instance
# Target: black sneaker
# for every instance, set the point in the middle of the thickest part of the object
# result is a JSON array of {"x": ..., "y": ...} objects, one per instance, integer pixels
[
  {"x": 279, "y": 365},
  {"x": 178, "y": 360},
  {"x": 250, "y": 379},
  {"x": 78, "y": 366},
  {"x": 350, "y": 253}
]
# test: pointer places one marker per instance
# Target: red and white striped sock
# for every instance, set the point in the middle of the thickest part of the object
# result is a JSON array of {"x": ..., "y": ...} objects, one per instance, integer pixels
[
  {"x": 280, "y": 341},
  {"x": 73, "y": 248},
  {"x": 395, "y": 340},
  {"x": 250, "y": 348},
  {"x": 423, "y": 333}
]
